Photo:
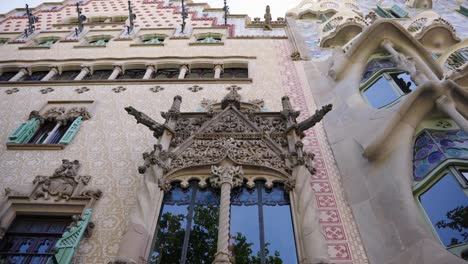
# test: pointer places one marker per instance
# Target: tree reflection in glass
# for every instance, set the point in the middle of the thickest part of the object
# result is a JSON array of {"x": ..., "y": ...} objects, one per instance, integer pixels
[
  {"x": 188, "y": 226},
  {"x": 261, "y": 226},
  {"x": 446, "y": 205}
]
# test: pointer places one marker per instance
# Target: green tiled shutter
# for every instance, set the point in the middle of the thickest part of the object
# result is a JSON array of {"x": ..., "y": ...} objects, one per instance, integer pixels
[
  {"x": 24, "y": 132},
  {"x": 71, "y": 132}
]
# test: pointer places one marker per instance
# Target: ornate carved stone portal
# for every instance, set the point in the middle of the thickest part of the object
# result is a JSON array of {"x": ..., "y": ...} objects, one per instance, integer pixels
[{"x": 231, "y": 143}]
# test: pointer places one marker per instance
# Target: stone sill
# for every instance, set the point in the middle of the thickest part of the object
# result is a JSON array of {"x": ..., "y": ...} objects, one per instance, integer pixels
[
  {"x": 206, "y": 44},
  {"x": 127, "y": 81},
  {"x": 88, "y": 46},
  {"x": 12, "y": 146},
  {"x": 147, "y": 45},
  {"x": 34, "y": 48}
]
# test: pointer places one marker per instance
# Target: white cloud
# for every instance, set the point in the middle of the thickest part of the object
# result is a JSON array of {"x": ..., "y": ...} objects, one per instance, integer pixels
[{"x": 253, "y": 8}]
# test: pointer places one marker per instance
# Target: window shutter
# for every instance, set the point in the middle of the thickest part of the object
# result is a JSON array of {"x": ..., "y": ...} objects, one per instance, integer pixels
[
  {"x": 72, "y": 130},
  {"x": 24, "y": 132},
  {"x": 70, "y": 240}
]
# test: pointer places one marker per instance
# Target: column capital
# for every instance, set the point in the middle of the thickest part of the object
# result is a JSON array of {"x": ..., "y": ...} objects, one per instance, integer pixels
[
  {"x": 88, "y": 68},
  {"x": 151, "y": 65},
  {"x": 219, "y": 65},
  {"x": 118, "y": 66},
  {"x": 56, "y": 69},
  {"x": 26, "y": 69},
  {"x": 232, "y": 175},
  {"x": 186, "y": 66}
]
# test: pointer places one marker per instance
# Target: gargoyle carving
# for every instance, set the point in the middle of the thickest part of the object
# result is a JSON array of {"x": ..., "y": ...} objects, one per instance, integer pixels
[
  {"x": 311, "y": 121},
  {"x": 142, "y": 118}
]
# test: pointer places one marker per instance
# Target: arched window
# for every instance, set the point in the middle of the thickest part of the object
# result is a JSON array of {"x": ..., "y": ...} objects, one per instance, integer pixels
[
  {"x": 167, "y": 73},
  {"x": 261, "y": 225},
  {"x": 188, "y": 226},
  {"x": 233, "y": 73},
  {"x": 382, "y": 83},
  {"x": 441, "y": 182}
]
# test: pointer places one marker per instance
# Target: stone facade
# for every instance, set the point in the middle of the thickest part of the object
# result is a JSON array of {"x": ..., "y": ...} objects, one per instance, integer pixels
[{"x": 339, "y": 172}]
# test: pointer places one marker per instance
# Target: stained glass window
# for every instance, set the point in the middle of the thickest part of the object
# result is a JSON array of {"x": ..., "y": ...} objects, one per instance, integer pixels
[
  {"x": 188, "y": 226},
  {"x": 432, "y": 147},
  {"x": 261, "y": 225},
  {"x": 32, "y": 239},
  {"x": 446, "y": 206}
]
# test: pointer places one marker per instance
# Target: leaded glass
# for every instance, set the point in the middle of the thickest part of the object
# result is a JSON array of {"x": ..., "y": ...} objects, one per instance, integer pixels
[
  {"x": 261, "y": 225},
  {"x": 7, "y": 76},
  {"x": 446, "y": 205},
  {"x": 375, "y": 65},
  {"x": 133, "y": 74},
  {"x": 188, "y": 226},
  {"x": 169, "y": 73},
  {"x": 432, "y": 147}
]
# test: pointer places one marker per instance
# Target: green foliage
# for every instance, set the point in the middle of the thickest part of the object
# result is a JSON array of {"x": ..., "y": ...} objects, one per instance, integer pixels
[{"x": 458, "y": 221}]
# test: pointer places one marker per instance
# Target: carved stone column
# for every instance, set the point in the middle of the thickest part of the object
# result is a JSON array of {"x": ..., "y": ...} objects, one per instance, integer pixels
[
  {"x": 117, "y": 71},
  {"x": 21, "y": 73},
  {"x": 226, "y": 177},
  {"x": 183, "y": 71},
  {"x": 150, "y": 69},
  {"x": 218, "y": 68},
  {"x": 85, "y": 70},
  {"x": 53, "y": 71},
  {"x": 447, "y": 106}
]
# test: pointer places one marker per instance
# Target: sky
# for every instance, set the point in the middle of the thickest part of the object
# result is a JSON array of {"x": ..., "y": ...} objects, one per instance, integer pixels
[{"x": 254, "y": 8}]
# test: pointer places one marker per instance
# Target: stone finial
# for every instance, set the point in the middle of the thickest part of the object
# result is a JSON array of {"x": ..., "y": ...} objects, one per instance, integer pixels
[
  {"x": 142, "y": 118},
  {"x": 314, "y": 119},
  {"x": 288, "y": 112},
  {"x": 268, "y": 19},
  {"x": 232, "y": 98}
]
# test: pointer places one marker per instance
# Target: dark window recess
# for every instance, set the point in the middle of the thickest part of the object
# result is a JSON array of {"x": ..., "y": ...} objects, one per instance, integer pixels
[
  {"x": 99, "y": 75},
  {"x": 170, "y": 73},
  {"x": 187, "y": 229},
  {"x": 133, "y": 74},
  {"x": 403, "y": 80},
  {"x": 32, "y": 239},
  {"x": 261, "y": 225},
  {"x": 47, "y": 135},
  {"x": 200, "y": 73},
  {"x": 464, "y": 173},
  {"x": 66, "y": 76},
  {"x": 232, "y": 73},
  {"x": 6, "y": 76},
  {"x": 35, "y": 76}
]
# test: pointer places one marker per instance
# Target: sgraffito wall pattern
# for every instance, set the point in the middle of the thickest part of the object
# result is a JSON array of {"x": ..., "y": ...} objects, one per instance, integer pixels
[{"x": 335, "y": 216}]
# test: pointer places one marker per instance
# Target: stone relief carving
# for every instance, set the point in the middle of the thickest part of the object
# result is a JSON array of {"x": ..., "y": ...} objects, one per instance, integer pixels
[
  {"x": 229, "y": 122},
  {"x": 186, "y": 127},
  {"x": 63, "y": 184},
  {"x": 233, "y": 175},
  {"x": 156, "y": 157}
]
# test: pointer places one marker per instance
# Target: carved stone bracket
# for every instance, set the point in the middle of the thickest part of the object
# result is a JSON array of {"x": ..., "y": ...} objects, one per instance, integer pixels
[
  {"x": 157, "y": 157},
  {"x": 147, "y": 121},
  {"x": 233, "y": 175}
]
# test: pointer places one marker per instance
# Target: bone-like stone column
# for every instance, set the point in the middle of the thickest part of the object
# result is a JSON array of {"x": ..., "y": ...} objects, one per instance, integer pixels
[
  {"x": 85, "y": 70},
  {"x": 218, "y": 68},
  {"x": 117, "y": 70},
  {"x": 53, "y": 71},
  {"x": 226, "y": 177},
  {"x": 405, "y": 63},
  {"x": 21, "y": 73},
  {"x": 447, "y": 106},
  {"x": 150, "y": 68},
  {"x": 183, "y": 71}
]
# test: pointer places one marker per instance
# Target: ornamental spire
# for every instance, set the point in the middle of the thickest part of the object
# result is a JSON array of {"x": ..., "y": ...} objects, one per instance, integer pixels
[
  {"x": 31, "y": 21},
  {"x": 81, "y": 20}
]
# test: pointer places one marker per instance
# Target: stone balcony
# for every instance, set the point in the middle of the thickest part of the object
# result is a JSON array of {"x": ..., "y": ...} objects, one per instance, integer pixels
[
  {"x": 341, "y": 28},
  {"x": 321, "y": 9}
]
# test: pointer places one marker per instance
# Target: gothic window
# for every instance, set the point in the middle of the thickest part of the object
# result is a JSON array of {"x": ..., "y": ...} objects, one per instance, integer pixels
[
  {"x": 7, "y": 76},
  {"x": 188, "y": 226},
  {"x": 209, "y": 38},
  {"x": 168, "y": 73},
  {"x": 200, "y": 73},
  {"x": 32, "y": 239},
  {"x": 261, "y": 225},
  {"x": 233, "y": 73},
  {"x": 441, "y": 182},
  {"x": 133, "y": 74},
  {"x": 35, "y": 76},
  {"x": 99, "y": 75}
]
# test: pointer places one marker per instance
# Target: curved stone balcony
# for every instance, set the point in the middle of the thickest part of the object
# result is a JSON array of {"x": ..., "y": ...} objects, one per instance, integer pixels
[
  {"x": 341, "y": 28},
  {"x": 318, "y": 8},
  {"x": 433, "y": 31}
]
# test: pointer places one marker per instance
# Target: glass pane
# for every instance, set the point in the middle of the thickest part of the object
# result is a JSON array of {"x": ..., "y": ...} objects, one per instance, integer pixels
[
  {"x": 245, "y": 228},
  {"x": 133, "y": 74},
  {"x": 171, "y": 226},
  {"x": 234, "y": 73},
  {"x": 280, "y": 245},
  {"x": 172, "y": 73},
  {"x": 446, "y": 205},
  {"x": 464, "y": 173},
  {"x": 204, "y": 232},
  {"x": 7, "y": 76},
  {"x": 36, "y": 76},
  {"x": 380, "y": 93},
  {"x": 403, "y": 80}
]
